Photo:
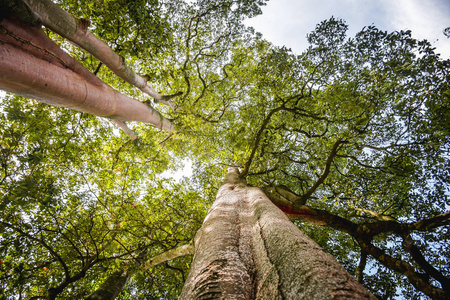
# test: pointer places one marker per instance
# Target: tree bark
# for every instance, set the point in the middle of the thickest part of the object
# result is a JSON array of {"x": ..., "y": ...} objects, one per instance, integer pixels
[
  {"x": 75, "y": 30},
  {"x": 248, "y": 249},
  {"x": 35, "y": 67}
]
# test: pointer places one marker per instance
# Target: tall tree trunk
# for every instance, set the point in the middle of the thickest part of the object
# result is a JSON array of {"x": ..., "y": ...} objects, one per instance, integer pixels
[
  {"x": 248, "y": 249},
  {"x": 33, "y": 66},
  {"x": 75, "y": 30}
]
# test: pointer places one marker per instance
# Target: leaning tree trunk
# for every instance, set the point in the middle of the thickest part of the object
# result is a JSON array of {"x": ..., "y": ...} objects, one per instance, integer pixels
[
  {"x": 75, "y": 30},
  {"x": 115, "y": 282},
  {"x": 248, "y": 249},
  {"x": 33, "y": 66}
]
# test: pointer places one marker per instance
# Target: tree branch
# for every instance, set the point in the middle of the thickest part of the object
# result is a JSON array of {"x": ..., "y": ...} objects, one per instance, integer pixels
[
  {"x": 126, "y": 129},
  {"x": 114, "y": 284},
  {"x": 364, "y": 233},
  {"x": 403, "y": 267},
  {"x": 76, "y": 31},
  {"x": 43, "y": 243},
  {"x": 258, "y": 139},
  {"x": 324, "y": 175},
  {"x": 431, "y": 223},
  {"x": 361, "y": 266},
  {"x": 375, "y": 214}
]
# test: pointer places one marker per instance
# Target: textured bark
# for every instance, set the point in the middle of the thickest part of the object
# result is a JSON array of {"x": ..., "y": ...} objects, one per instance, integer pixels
[
  {"x": 75, "y": 30},
  {"x": 35, "y": 67},
  {"x": 20, "y": 11},
  {"x": 223, "y": 262},
  {"x": 248, "y": 249},
  {"x": 364, "y": 233}
]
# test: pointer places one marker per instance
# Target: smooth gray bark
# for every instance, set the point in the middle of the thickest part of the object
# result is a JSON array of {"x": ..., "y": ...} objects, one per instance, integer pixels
[{"x": 248, "y": 249}]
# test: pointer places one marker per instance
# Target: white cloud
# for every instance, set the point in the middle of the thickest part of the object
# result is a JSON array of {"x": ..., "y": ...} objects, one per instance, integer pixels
[
  {"x": 286, "y": 22},
  {"x": 426, "y": 20}
]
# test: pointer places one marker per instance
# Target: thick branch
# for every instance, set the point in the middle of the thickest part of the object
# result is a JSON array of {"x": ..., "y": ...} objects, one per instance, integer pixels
[
  {"x": 281, "y": 195},
  {"x": 112, "y": 286},
  {"x": 55, "y": 291},
  {"x": 375, "y": 214},
  {"x": 393, "y": 226},
  {"x": 20, "y": 11},
  {"x": 363, "y": 233},
  {"x": 288, "y": 202},
  {"x": 35, "y": 67},
  {"x": 311, "y": 215},
  {"x": 431, "y": 223},
  {"x": 403, "y": 267},
  {"x": 361, "y": 266},
  {"x": 325, "y": 173},
  {"x": 416, "y": 254},
  {"x": 126, "y": 129},
  {"x": 169, "y": 255},
  {"x": 76, "y": 31}
]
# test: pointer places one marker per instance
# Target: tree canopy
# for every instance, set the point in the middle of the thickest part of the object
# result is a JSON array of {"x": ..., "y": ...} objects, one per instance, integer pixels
[{"x": 350, "y": 138}]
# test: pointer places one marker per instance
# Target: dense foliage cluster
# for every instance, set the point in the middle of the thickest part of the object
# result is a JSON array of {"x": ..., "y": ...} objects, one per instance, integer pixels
[{"x": 354, "y": 130}]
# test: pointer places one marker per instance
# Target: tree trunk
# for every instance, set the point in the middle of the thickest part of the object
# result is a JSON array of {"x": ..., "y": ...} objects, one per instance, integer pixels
[
  {"x": 248, "y": 249},
  {"x": 75, "y": 30},
  {"x": 33, "y": 66},
  {"x": 112, "y": 286}
]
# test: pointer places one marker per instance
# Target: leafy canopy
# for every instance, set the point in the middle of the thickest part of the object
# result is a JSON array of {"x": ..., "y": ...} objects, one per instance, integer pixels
[{"x": 355, "y": 128}]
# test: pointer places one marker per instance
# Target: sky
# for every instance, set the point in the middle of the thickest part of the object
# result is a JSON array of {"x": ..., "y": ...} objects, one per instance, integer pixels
[{"x": 287, "y": 22}]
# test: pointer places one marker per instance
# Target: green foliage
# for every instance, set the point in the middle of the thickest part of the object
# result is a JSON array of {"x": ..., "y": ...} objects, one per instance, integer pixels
[
  {"x": 134, "y": 28},
  {"x": 77, "y": 198},
  {"x": 80, "y": 199},
  {"x": 380, "y": 97}
]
